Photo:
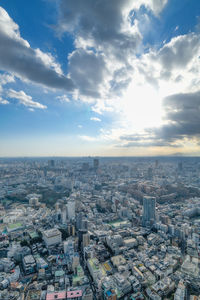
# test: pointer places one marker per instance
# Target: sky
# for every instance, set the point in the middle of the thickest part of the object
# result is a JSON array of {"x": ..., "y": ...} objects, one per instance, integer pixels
[{"x": 99, "y": 77}]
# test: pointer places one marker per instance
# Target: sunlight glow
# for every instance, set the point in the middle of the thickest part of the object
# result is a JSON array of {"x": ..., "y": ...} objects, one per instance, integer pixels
[{"x": 142, "y": 108}]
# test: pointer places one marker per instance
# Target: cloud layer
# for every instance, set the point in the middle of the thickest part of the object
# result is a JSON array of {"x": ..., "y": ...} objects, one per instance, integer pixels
[
  {"x": 152, "y": 93},
  {"x": 25, "y": 99},
  {"x": 105, "y": 40},
  {"x": 17, "y": 57},
  {"x": 109, "y": 61}
]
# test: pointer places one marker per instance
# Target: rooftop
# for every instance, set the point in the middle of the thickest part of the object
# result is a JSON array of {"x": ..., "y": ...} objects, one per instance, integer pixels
[{"x": 51, "y": 232}]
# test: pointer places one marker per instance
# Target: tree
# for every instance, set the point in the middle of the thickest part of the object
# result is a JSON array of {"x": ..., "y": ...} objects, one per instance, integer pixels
[{"x": 24, "y": 243}]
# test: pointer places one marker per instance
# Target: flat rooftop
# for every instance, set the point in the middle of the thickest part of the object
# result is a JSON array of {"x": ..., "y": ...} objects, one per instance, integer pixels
[{"x": 52, "y": 232}]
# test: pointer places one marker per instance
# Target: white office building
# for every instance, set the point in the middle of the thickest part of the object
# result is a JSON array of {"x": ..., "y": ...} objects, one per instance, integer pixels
[
  {"x": 52, "y": 237},
  {"x": 71, "y": 210}
]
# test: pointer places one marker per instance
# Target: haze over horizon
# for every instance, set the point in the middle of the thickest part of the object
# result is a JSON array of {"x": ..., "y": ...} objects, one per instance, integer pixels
[{"x": 99, "y": 78}]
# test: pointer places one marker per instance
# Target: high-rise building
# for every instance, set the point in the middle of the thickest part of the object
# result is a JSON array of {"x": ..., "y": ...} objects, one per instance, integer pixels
[
  {"x": 96, "y": 163},
  {"x": 69, "y": 247},
  {"x": 180, "y": 166},
  {"x": 81, "y": 233},
  {"x": 156, "y": 163},
  {"x": 86, "y": 239},
  {"x": 71, "y": 210},
  {"x": 51, "y": 163},
  {"x": 64, "y": 215},
  {"x": 84, "y": 224},
  {"x": 85, "y": 167},
  {"x": 149, "y": 210},
  {"x": 150, "y": 173},
  {"x": 79, "y": 219},
  {"x": 71, "y": 230}
]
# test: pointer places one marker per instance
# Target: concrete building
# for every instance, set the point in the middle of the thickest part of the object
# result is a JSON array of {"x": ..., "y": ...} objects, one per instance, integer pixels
[
  {"x": 71, "y": 210},
  {"x": 64, "y": 215},
  {"x": 52, "y": 237},
  {"x": 180, "y": 292},
  {"x": 149, "y": 210},
  {"x": 96, "y": 163},
  {"x": 86, "y": 240},
  {"x": 29, "y": 264}
]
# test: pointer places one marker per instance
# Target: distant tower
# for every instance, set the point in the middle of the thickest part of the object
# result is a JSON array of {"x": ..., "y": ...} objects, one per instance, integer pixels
[
  {"x": 180, "y": 166},
  {"x": 45, "y": 171},
  {"x": 85, "y": 167},
  {"x": 51, "y": 163},
  {"x": 149, "y": 210},
  {"x": 150, "y": 173},
  {"x": 96, "y": 163}
]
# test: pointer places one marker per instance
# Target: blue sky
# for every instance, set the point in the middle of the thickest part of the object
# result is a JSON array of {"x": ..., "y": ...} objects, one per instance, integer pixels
[{"x": 118, "y": 77}]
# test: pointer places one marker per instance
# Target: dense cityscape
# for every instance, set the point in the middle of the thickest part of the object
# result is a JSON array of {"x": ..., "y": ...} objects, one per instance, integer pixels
[
  {"x": 100, "y": 228},
  {"x": 100, "y": 150}
]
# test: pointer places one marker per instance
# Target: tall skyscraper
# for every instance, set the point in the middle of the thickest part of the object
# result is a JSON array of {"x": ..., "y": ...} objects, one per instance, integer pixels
[
  {"x": 96, "y": 163},
  {"x": 86, "y": 240},
  {"x": 64, "y": 214},
  {"x": 85, "y": 167},
  {"x": 150, "y": 173},
  {"x": 149, "y": 210},
  {"x": 81, "y": 233},
  {"x": 180, "y": 166},
  {"x": 51, "y": 163},
  {"x": 71, "y": 210},
  {"x": 79, "y": 219}
]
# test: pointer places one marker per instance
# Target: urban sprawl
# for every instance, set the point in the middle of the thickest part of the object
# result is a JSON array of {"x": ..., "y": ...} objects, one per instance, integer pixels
[{"x": 100, "y": 228}]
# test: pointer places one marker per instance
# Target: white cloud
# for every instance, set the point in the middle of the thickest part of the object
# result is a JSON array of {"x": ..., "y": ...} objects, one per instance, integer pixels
[
  {"x": 110, "y": 69},
  {"x": 114, "y": 73},
  {"x": 5, "y": 79},
  {"x": 156, "y": 5},
  {"x": 9, "y": 28},
  {"x": 95, "y": 119},
  {"x": 25, "y": 99},
  {"x": 102, "y": 65},
  {"x": 174, "y": 69},
  {"x": 88, "y": 138},
  {"x": 63, "y": 98},
  {"x": 3, "y": 101}
]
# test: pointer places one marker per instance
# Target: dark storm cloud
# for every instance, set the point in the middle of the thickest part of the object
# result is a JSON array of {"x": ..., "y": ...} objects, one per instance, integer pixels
[{"x": 16, "y": 56}]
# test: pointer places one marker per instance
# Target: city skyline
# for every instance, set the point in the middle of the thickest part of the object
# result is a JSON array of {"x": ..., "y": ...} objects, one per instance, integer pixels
[
  {"x": 99, "y": 78},
  {"x": 100, "y": 229}
]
